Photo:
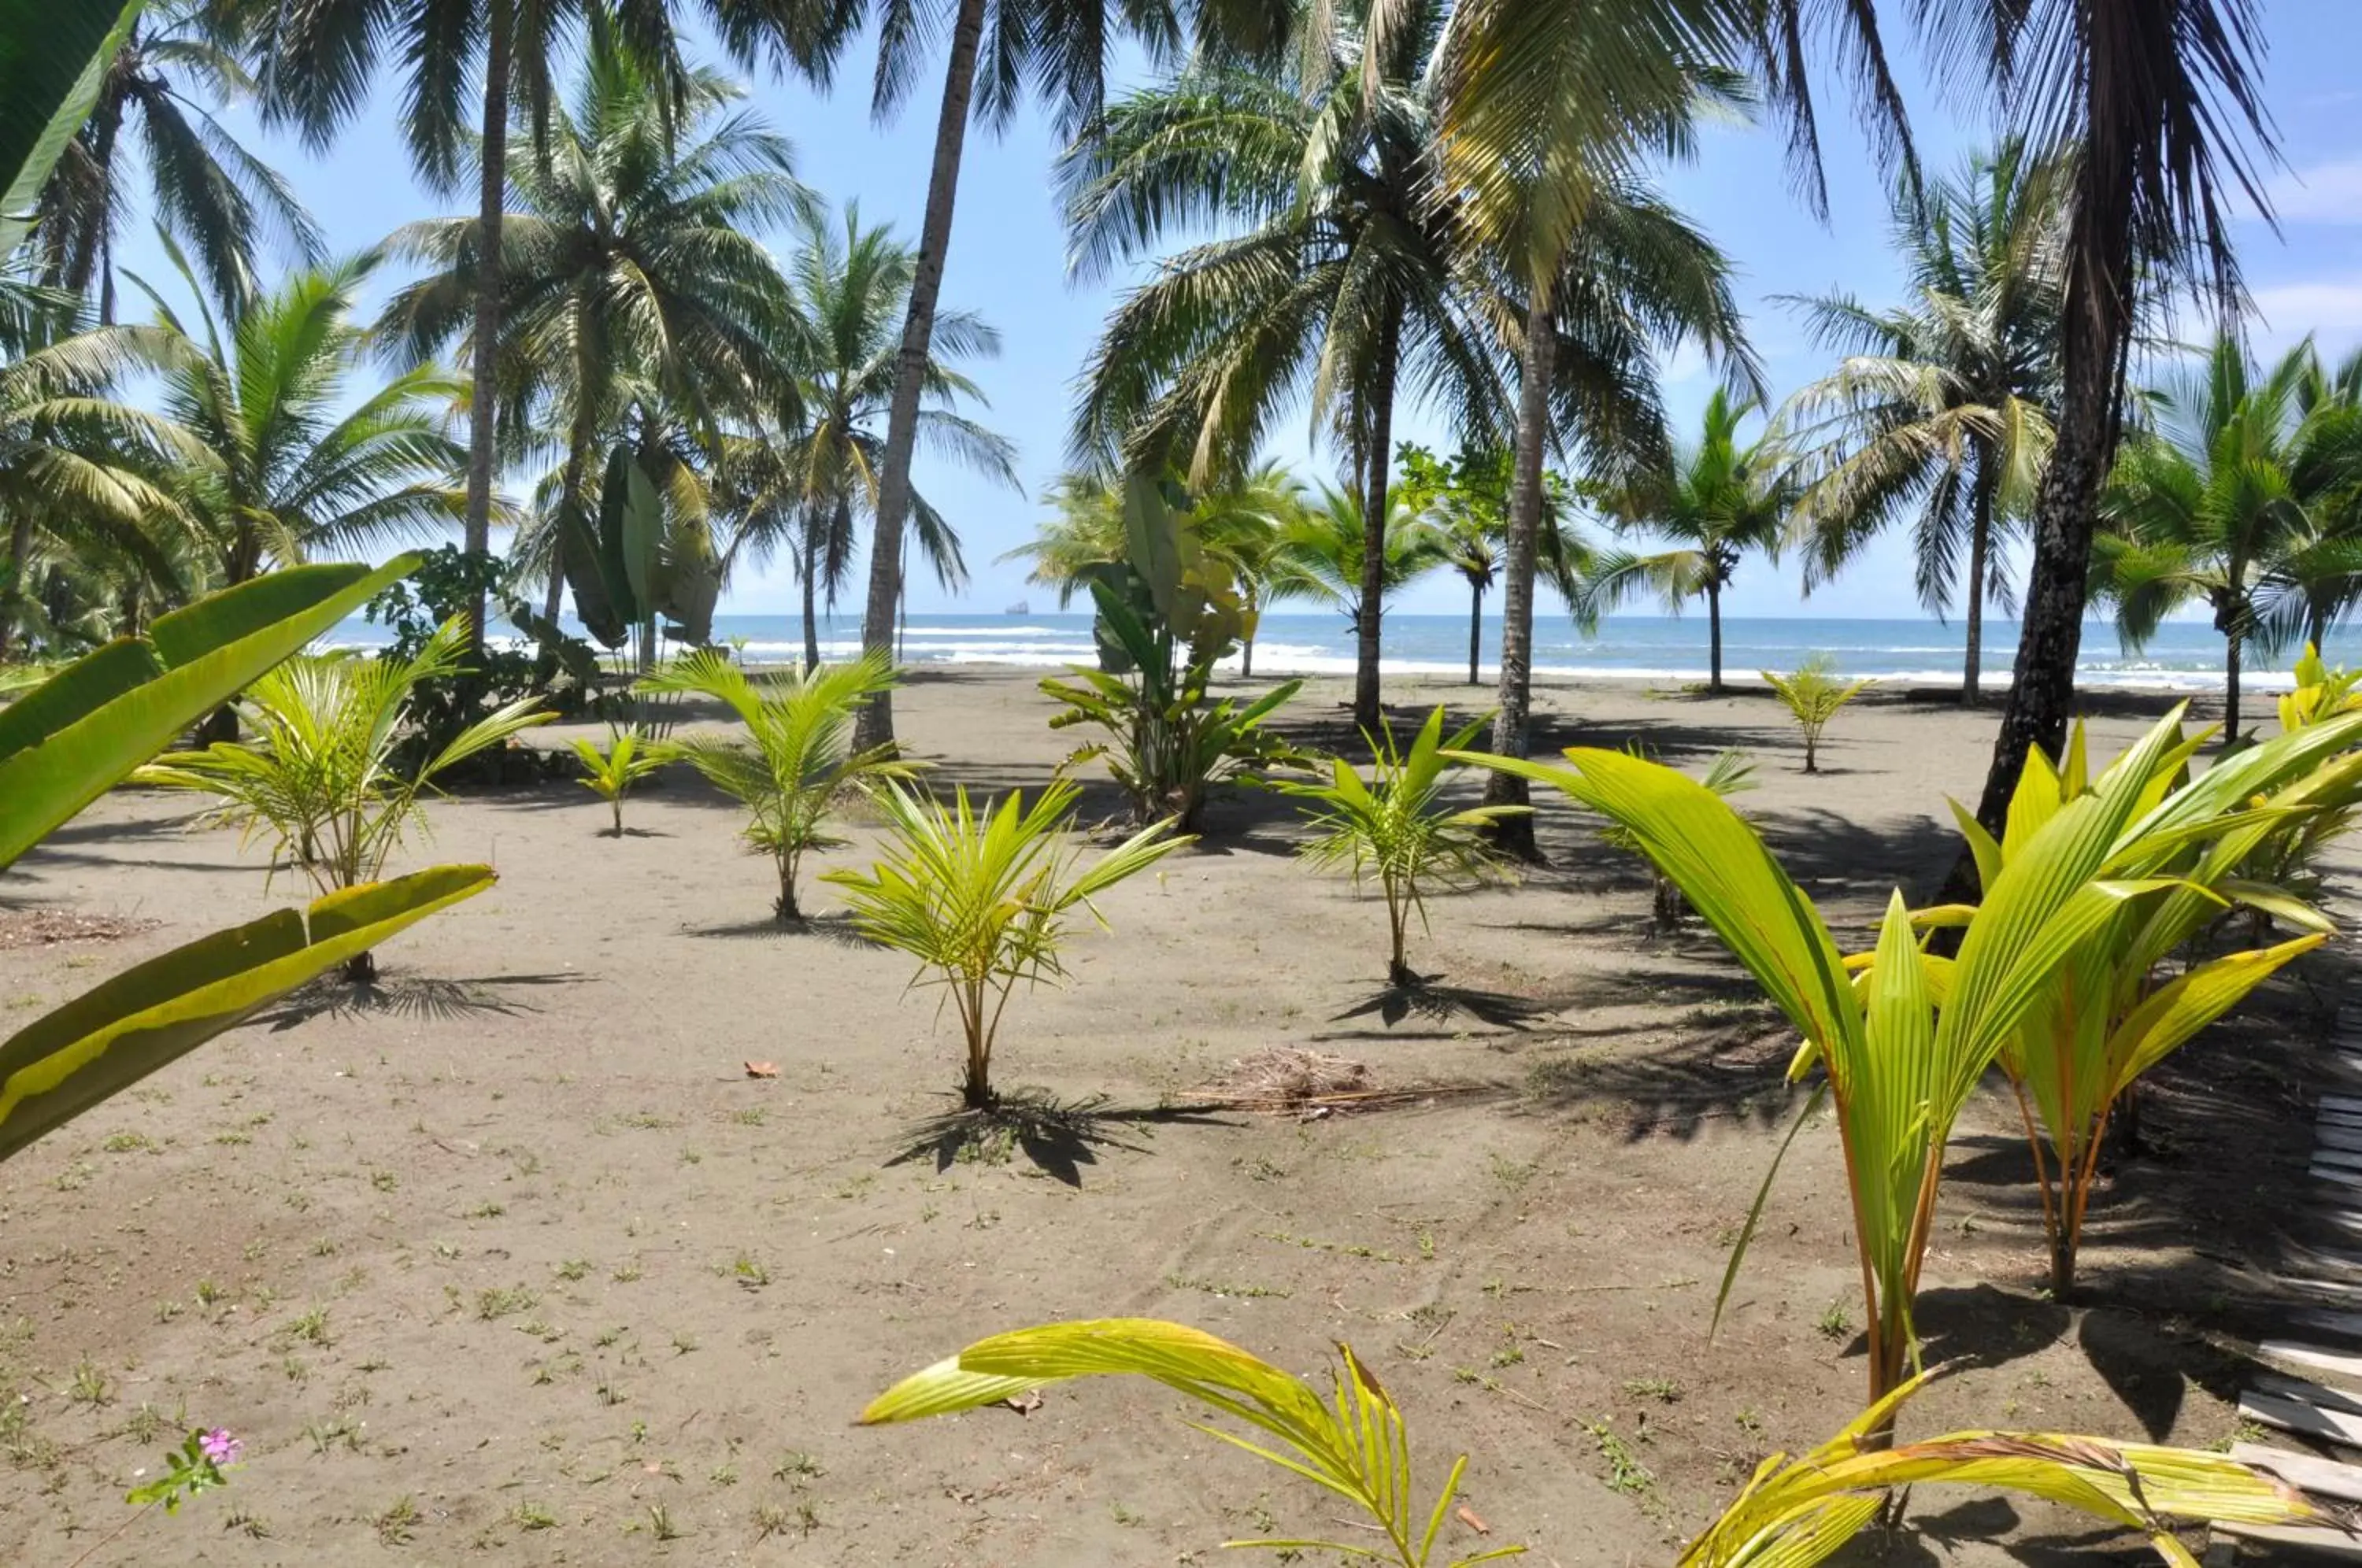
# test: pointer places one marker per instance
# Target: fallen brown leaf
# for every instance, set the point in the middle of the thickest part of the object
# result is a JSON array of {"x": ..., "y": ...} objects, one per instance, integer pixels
[
  {"x": 1025, "y": 1404},
  {"x": 762, "y": 1069},
  {"x": 1472, "y": 1522}
]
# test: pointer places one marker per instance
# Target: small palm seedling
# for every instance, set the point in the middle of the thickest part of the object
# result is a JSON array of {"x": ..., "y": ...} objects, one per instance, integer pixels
[
  {"x": 1394, "y": 828},
  {"x": 1796, "y": 1514},
  {"x": 2084, "y": 882},
  {"x": 630, "y": 756},
  {"x": 980, "y": 899},
  {"x": 322, "y": 776},
  {"x": 796, "y": 762},
  {"x": 1814, "y": 695}
]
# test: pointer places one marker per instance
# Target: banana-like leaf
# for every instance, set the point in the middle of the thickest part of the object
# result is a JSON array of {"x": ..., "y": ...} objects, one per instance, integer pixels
[
  {"x": 69, "y": 740},
  {"x": 51, "y": 71},
  {"x": 152, "y": 1014}
]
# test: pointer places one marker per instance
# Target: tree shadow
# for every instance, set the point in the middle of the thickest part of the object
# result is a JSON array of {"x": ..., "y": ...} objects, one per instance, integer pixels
[
  {"x": 1424, "y": 997},
  {"x": 429, "y": 999},
  {"x": 1736, "y": 1074},
  {"x": 1060, "y": 1137},
  {"x": 837, "y": 930}
]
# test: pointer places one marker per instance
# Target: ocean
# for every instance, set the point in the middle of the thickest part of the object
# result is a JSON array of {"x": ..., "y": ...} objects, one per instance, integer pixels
[{"x": 2182, "y": 657}]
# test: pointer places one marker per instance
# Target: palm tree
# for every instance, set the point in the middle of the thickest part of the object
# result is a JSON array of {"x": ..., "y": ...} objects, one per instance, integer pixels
[
  {"x": 1719, "y": 500},
  {"x": 2317, "y": 580},
  {"x": 1336, "y": 279},
  {"x": 1319, "y": 554},
  {"x": 283, "y": 457},
  {"x": 318, "y": 62},
  {"x": 2205, "y": 502},
  {"x": 76, "y": 465},
  {"x": 1940, "y": 410},
  {"x": 2161, "y": 103},
  {"x": 628, "y": 272},
  {"x": 1062, "y": 49},
  {"x": 1633, "y": 280},
  {"x": 852, "y": 287},
  {"x": 216, "y": 199}
]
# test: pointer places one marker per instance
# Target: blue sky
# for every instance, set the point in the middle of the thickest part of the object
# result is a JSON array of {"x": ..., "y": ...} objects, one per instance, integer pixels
[{"x": 1008, "y": 261}]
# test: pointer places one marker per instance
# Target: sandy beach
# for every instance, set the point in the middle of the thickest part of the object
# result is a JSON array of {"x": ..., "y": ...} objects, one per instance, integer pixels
[{"x": 516, "y": 1263}]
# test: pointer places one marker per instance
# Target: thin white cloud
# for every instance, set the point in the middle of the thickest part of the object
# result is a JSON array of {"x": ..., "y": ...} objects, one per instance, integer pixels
[
  {"x": 2326, "y": 193},
  {"x": 2324, "y": 306}
]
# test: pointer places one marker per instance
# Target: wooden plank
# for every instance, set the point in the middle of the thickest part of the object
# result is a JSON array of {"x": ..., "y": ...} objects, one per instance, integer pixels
[
  {"x": 2321, "y": 1289},
  {"x": 2344, "y": 1104},
  {"x": 2329, "y": 1135},
  {"x": 2320, "y": 1172},
  {"x": 2348, "y": 1159},
  {"x": 2317, "y": 1358},
  {"x": 2318, "y": 1538},
  {"x": 2306, "y": 1472},
  {"x": 2305, "y": 1391}
]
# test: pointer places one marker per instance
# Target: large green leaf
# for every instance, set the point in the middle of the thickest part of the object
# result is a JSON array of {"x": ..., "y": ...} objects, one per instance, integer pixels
[
  {"x": 53, "y": 56},
  {"x": 156, "y": 1012},
  {"x": 71, "y": 739}
]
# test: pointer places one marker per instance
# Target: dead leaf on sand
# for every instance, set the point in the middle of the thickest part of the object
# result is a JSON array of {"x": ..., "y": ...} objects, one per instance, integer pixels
[
  {"x": 762, "y": 1069},
  {"x": 1025, "y": 1404}
]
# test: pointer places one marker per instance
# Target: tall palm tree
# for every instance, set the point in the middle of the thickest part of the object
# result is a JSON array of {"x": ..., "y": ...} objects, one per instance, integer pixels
[
  {"x": 1718, "y": 500},
  {"x": 1940, "y": 410},
  {"x": 316, "y": 65},
  {"x": 282, "y": 456},
  {"x": 77, "y": 464},
  {"x": 217, "y": 199},
  {"x": 2208, "y": 500},
  {"x": 628, "y": 272},
  {"x": 1630, "y": 282},
  {"x": 1320, "y": 554},
  {"x": 851, "y": 286},
  {"x": 1336, "y": 279},
  {"x": 2161, "y": 103}
]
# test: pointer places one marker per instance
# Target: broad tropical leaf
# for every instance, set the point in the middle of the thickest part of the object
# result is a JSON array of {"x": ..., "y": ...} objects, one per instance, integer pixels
[{"x": 66, "y": 743}]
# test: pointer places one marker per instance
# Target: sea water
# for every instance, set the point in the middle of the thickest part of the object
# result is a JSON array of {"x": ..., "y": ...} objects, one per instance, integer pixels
[{"x": 2182, "y": 657}]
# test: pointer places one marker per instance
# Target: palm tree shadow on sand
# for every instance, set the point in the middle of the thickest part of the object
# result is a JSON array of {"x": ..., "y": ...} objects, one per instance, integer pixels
[
  {"x": 1426, "y": 997},
  {"x": 426, "y": 997},
  {"x": 1059, "y": 1137}
]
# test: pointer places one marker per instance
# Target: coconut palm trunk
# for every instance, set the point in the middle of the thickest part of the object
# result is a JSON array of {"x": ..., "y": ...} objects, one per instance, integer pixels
[
  {"x": 811, "y": 607},
  {"x": 2096, "y": 336},
  {"x": 491, "y": 204},
  {"x": 1980, "y": 547},
  {"x": 1514, "y": 833},
  {"x": 2231, "y": 640},
  {"x": 1476, "y": 630},
  {"x": 1376, "y": 467},
  {"x": 878, "y": 623},
  {"x": 1713, "y": 636}
]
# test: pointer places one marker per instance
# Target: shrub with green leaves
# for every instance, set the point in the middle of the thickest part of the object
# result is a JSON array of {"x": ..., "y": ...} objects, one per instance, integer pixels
[
  {"x": 1167, "y": 612},
  {"x": 983, "y": 899},
  {"x": 323, "y": 776},
  {"x": 1813, "y": 694},
  {"x": 1396, "y": 830},
  {"x": 796, "y": 763},
  {"x": 630, "y": 756}
]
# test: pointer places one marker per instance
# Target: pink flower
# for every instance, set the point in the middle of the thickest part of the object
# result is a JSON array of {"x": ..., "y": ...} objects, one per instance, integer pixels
[{"x": 221, "y": 1448}]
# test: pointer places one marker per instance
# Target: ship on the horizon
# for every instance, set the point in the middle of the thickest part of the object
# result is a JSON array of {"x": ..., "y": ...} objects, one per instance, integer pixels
[{"x": 1020, "y": 608}]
